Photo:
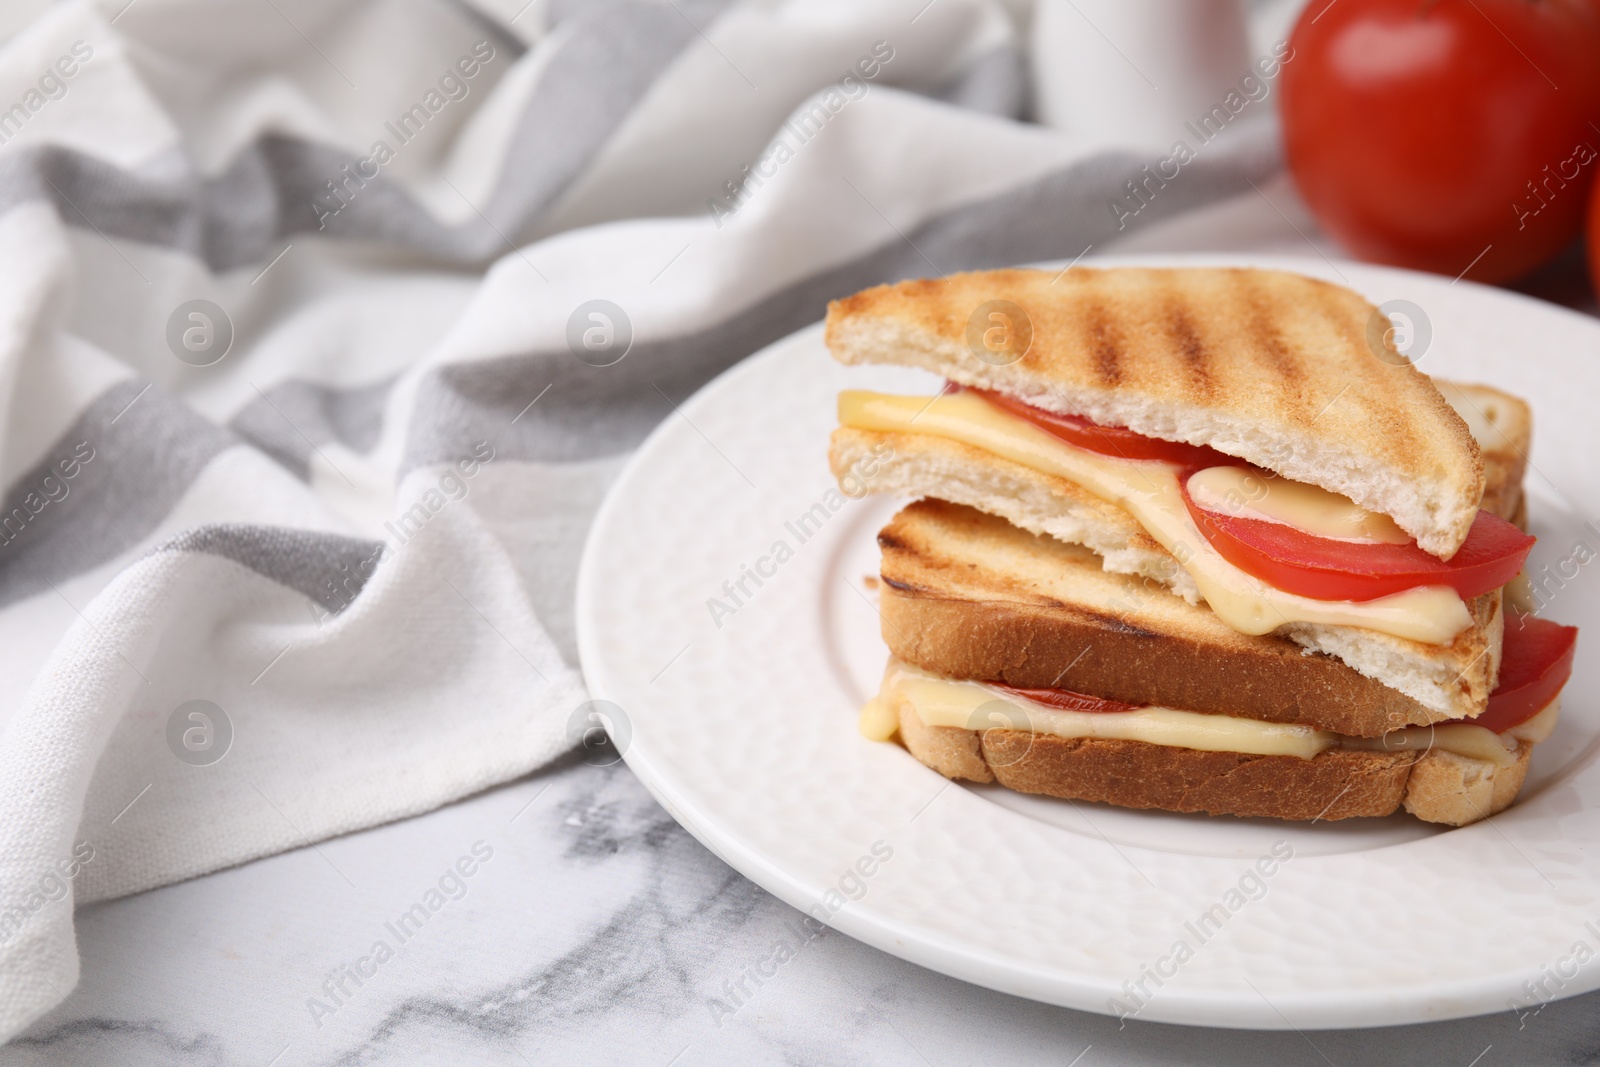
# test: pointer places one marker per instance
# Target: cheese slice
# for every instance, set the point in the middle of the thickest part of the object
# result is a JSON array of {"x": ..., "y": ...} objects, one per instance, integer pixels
[
  {"x": 1539, "y": 728},
  {"x": 969, "y": 705},
  {"x": 1248, "y": 494},
  {"x": 974, "y": 706},
  {"x": 1464, "y": 739},
  {"x": 1149, "y": 491},
  {"x": 879, "y": 719}
]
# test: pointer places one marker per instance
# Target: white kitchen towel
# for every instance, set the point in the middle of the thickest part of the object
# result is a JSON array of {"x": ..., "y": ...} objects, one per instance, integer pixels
[{"x": 324, "y": 325}]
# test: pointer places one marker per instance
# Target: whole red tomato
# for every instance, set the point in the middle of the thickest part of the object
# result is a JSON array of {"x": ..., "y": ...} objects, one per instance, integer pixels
[{"x": 1422, "y": 132}]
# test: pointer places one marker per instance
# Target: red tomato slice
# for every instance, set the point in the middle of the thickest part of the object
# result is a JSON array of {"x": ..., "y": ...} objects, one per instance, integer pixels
[
  {"x": 1322, "y": 568},
  {"x": 1066, "y": 699},
  {"x": 1117, "y": 441},
  {"x": 1535, "y": 662}
]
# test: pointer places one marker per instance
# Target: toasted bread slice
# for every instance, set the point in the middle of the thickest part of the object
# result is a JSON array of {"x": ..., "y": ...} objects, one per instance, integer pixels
[
  {"x": 968, "y": 595},
  {"x": 1290, "y": 373},
  {"x": 1502, "y": 425},
  {"x": 1435, "y": 786}
]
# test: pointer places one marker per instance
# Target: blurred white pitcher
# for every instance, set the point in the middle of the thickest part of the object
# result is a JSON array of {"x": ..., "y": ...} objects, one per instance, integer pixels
[{"x": 1131, "y": 72}]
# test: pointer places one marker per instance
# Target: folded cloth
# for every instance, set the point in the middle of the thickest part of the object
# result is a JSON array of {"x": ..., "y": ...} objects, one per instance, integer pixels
[{"x": 324, "y": 325}]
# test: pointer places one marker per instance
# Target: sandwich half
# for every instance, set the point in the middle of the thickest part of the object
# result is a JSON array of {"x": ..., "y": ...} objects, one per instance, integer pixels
[
  {"x": 1016, "y": 658},
  {"x": 1240, "y": 437},
  {"x": 1198, "y": 540}
]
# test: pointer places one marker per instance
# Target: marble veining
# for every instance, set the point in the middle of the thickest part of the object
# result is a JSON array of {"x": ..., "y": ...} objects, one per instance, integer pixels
[{"x": 601, "y": 932}]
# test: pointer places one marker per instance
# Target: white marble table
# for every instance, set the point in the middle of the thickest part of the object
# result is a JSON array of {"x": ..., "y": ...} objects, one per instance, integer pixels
[{"x": 598, "y": 931}]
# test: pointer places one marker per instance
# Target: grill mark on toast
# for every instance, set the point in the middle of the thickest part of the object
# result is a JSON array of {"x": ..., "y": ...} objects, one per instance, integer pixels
[
  {"x": 1332, "y": 304},
  {"x": 1401, "y": 432},
  {"x": 1272, "y": 345},
  {"x": 1104, "y": 345},
  {"x": 1272, "y": 349},
  {"x": 1196, "y": 360}
]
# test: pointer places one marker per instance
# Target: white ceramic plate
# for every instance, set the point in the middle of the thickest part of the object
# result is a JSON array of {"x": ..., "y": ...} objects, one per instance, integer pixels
[{"x": 743, "y": 726}]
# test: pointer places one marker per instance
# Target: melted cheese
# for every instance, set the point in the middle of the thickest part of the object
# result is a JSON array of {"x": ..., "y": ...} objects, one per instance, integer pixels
[
  {"x": 1539, "y": 728},
  {"x": 1247, "y": 494},
  {"x": 879, "y": 719},
  {"x": 1465, "y": 739},
  {"x": 1149, "y": 491},
  {"x": 975, "y": 706},
  {"x": 1519, "y": 595},
  {"x": 1462, "y": 738}
]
